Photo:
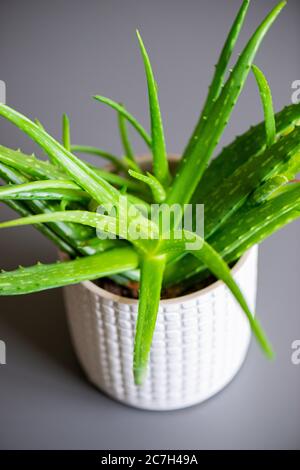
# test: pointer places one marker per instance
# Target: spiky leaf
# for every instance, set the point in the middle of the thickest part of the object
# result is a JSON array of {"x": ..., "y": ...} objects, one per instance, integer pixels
[
  {"x": 151, "y": 280},
  {"x": 193, "y": 164},
  {"x": 157, "y": 189},
  {"x": 267, "y": 103},
  {"x": 41, "y": 277},
  {"x": 217, "y": 266},
  {"x": 160, "y": 161}
]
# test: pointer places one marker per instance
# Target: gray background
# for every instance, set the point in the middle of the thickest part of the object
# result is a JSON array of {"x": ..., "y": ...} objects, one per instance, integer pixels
[{"x": 54, "y": 56}]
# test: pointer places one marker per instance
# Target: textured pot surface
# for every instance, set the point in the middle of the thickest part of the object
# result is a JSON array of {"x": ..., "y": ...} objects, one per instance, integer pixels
[{"x": 200, "y": 341}]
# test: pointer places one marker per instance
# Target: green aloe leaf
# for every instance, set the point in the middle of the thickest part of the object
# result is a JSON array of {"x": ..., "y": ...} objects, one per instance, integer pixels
[
  {"x": 30, "y": 165},
  {"x": 251, "y": 225},
  {"x": 99, "y": 189},
  {"x": 70, "y": 233},
  {"x": 247, "y": 227},
  {"x": 41, "y": 277},
  {"x": 193, "y": 165},
  {"x": 121, "y": 110},
  {"x": 79, "y": 217},
  {"x": 264, "y": 192},
  {"x": 217, "y": 266},
  {"x": 253, "y": 142},
  {"x": 98, "y": 245},
  {"x": 157, "y": 189},
  {"x": 150, "y": 287},
  {"x": 66, "y": 136},
  {"x": 129, "y": 155},
  {"x": 160, "y": 160},
  {"x": 38, "y": 123},
  {"x": 70, "y": 230},
  {"x": 70, "y": 238},
  {"x": 222, "y": 65},
  {"x": 80, "y": 172},
  {"x": 101, "y": 222},
  {"x": 220, "y": 72},
  {"x": 118, "y": 180},
  {"x": 267, "y": 102},
  {"x": 282, "y": 158},
  {"x": 45, "y": 189}
]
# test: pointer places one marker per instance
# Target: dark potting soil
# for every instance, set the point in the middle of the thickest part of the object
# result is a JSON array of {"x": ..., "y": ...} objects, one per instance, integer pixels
[{"x": 131, "y": 290}]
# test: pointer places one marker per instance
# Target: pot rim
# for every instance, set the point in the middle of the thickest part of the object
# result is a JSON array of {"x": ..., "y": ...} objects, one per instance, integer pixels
[{"x": 91, "y": 286}]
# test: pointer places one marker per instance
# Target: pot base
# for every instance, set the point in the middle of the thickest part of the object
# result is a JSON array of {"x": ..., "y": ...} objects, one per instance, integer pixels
[{"x": 176, "y": 406}]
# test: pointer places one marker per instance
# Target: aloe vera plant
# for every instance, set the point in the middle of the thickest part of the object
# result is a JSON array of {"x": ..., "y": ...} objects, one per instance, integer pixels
[{"x": 248, "y": 192}]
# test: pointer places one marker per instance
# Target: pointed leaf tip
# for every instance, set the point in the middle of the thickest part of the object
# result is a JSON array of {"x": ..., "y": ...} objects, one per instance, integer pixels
[
  {"x": 160, "y": 160},
  {"x": 140, "y": 374},
  {"x": 267, "y": 103},
  {"x": 66, "y": 132}
]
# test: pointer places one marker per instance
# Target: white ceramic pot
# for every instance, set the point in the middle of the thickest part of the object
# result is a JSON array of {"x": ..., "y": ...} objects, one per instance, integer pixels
[{"x": 199, "y": 344}]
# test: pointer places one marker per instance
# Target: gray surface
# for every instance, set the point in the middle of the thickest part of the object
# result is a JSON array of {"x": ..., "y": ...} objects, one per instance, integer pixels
[{"x": 54, "y": 56}]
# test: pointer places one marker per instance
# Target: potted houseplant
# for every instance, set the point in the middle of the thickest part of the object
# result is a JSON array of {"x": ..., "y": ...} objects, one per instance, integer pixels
[{"x": 109, "y": 227}]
